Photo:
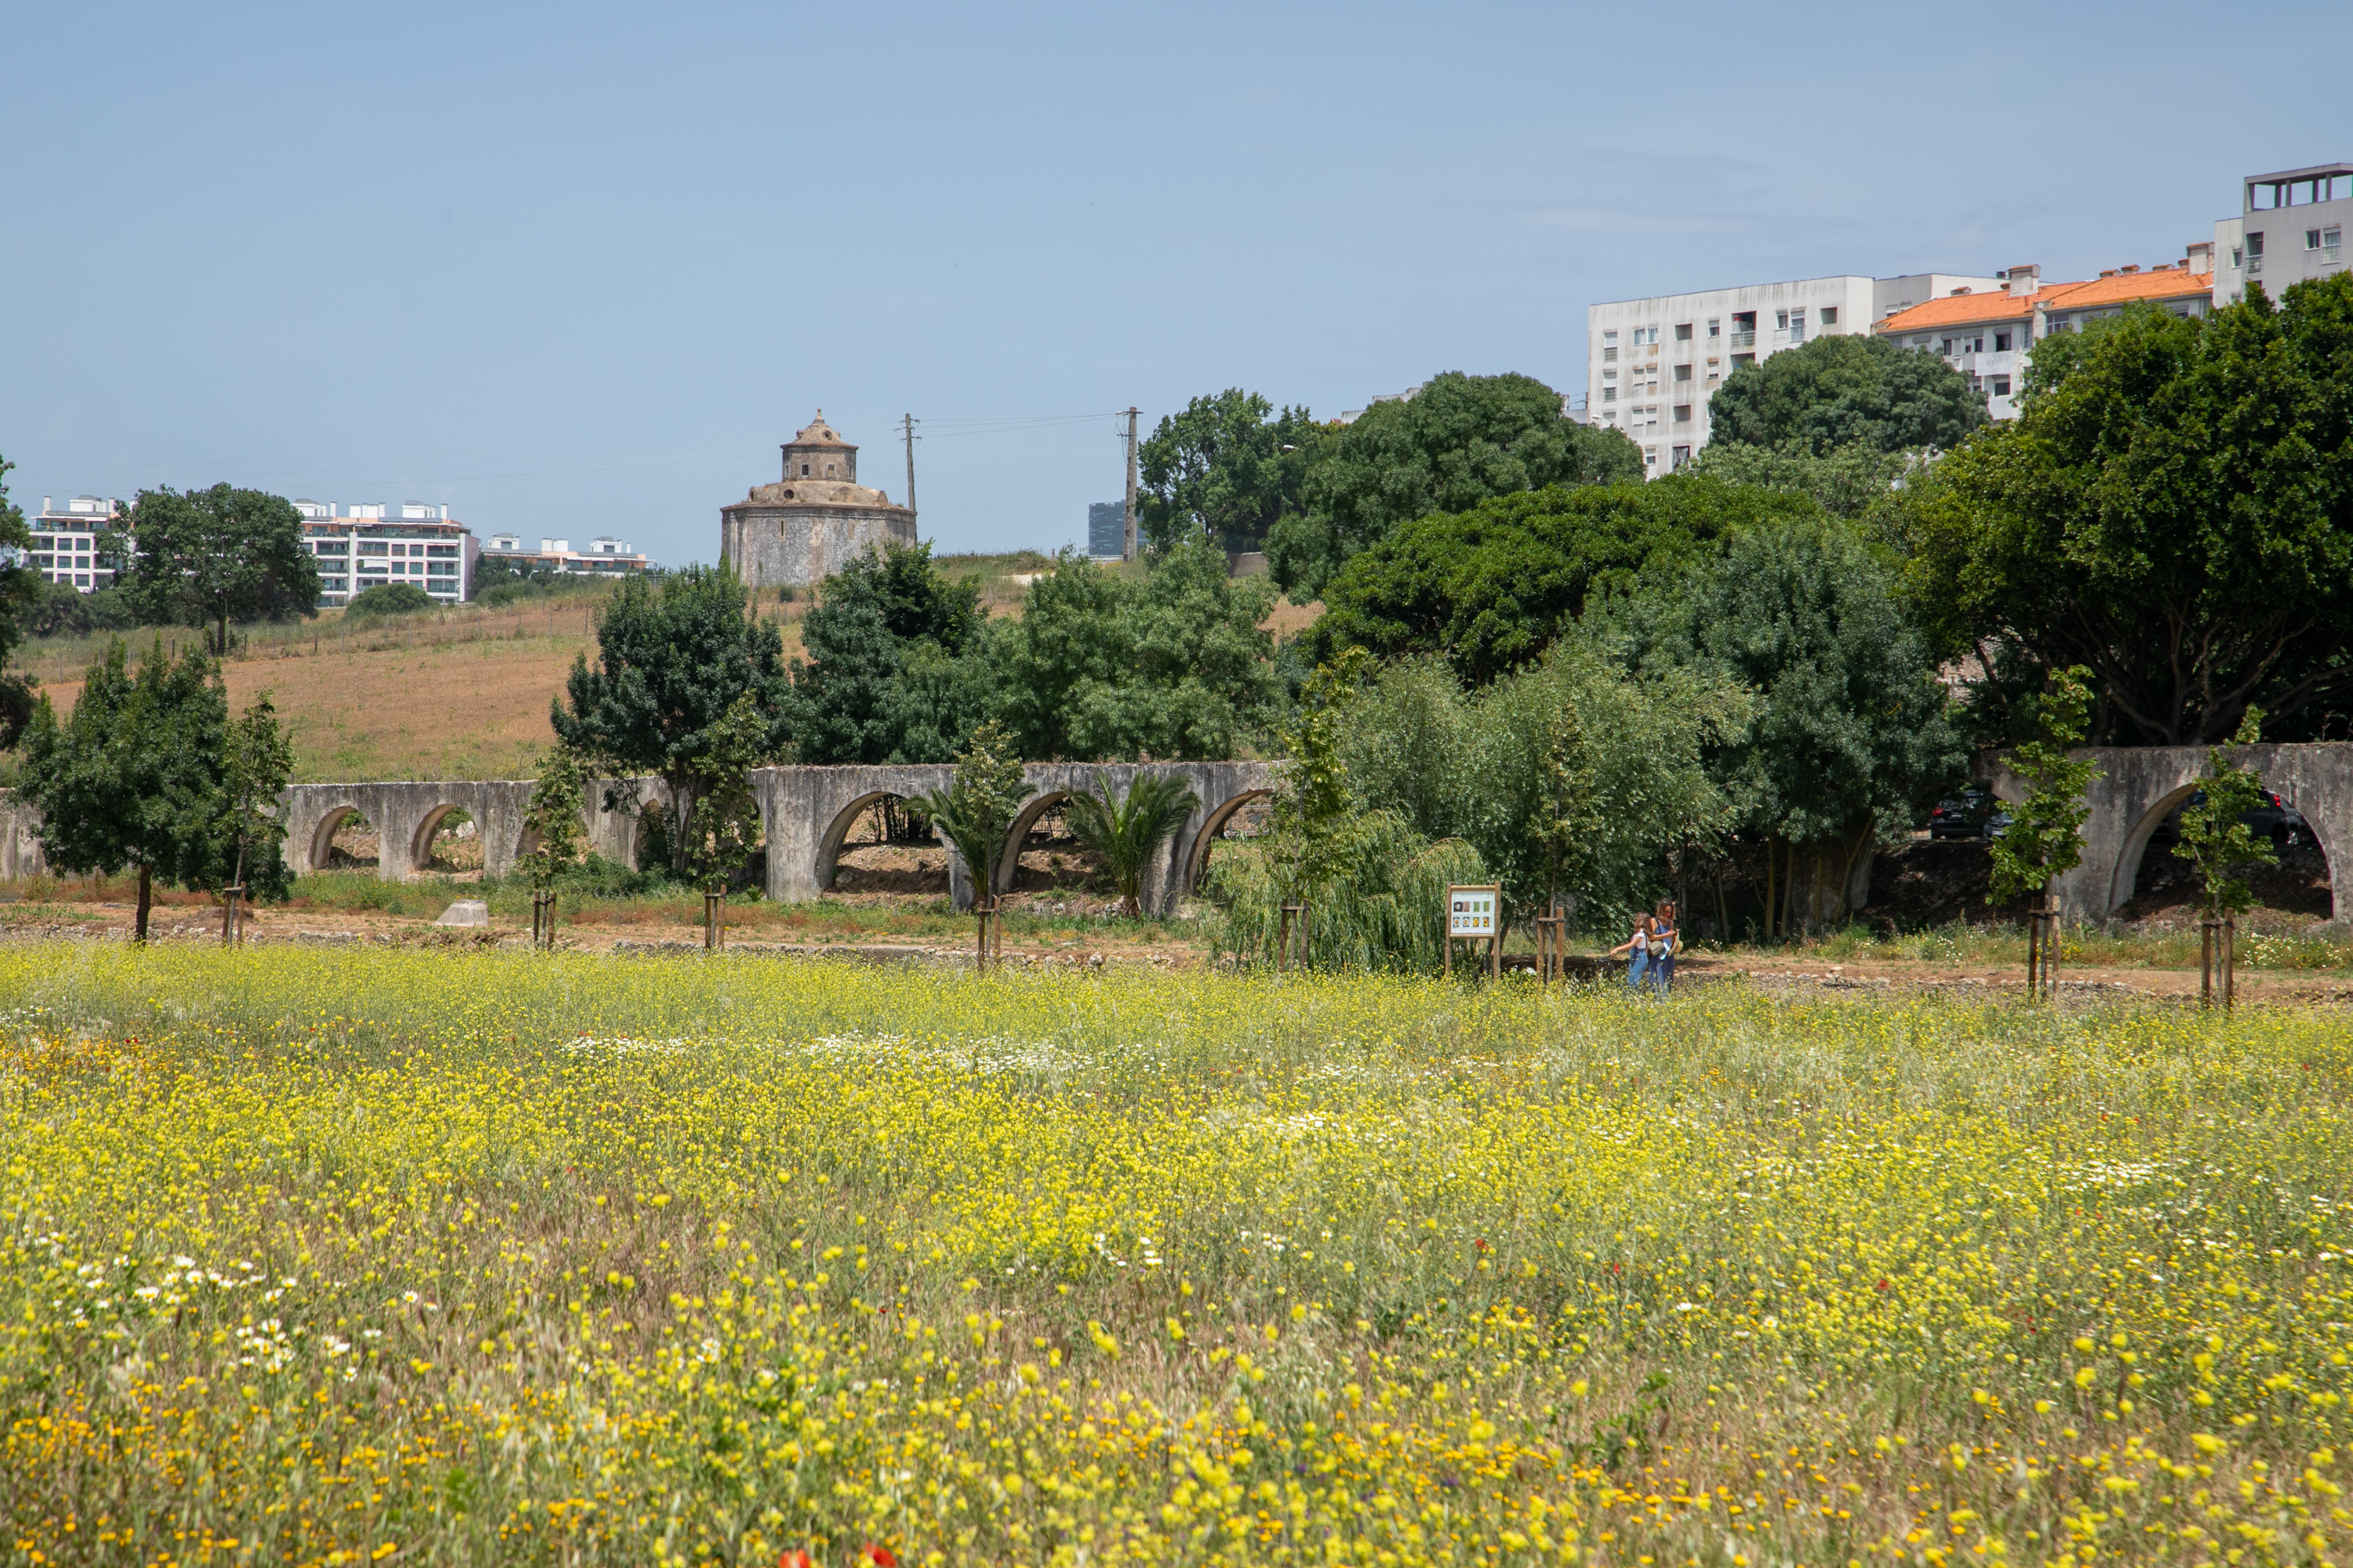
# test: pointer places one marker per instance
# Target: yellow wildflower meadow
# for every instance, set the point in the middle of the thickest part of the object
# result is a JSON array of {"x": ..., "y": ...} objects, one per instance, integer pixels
[{"x": 319, "y": 1257}]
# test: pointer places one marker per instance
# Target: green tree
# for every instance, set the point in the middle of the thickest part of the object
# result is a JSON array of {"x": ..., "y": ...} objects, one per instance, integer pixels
[
  {"x": 1460, "y": 441},
  {"x": 674, "y": 657},
  {"x": 2044, "y": 839},
  {"x": 898, "y": 669},
  {"x": 133, "y": 777},
  {"x": 1840, "y": 391},
  {"x": 1173, "y": 665},
  {"x": 552, "y": 828},
  {"x": 1228, "y": 467},
  {"x": 1491, "y": 587},
  {"x": 975, "y": 811},
  {"x": 1850, "y": 737},
  {"x": 723, "y": 828},
  {"x": 22, "y": 595},
  {"x": 206, "y": 558},
  {"x": 1317, "y": 820},
  {"x": 257, "y": 764},
  {"x": 1125, "y": 835},
  {"x": 2215, "y": 837},
  {"x": 2173, "y": 510},
  {"x": 1568, "y": 776},
  {"x": 1844, "y": 482}
]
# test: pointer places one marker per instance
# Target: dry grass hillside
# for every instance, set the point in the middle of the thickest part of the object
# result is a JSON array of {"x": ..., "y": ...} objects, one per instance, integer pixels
[{"x": 461, "y": 695}]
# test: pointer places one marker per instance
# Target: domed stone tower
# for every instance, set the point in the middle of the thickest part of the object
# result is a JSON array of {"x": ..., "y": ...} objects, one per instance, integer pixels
[{"x": 802, "y": 529}]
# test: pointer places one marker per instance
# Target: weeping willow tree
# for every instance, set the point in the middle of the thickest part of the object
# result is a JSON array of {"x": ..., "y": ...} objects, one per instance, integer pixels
[
  {"x": 1382, "y": 907},
  {"x": 1373, "y": 885}
]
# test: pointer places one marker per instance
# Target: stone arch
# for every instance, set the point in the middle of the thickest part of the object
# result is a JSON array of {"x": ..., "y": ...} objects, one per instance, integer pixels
[
  {"x": 1197, "y": 859},
  {"x": 2127, "y": 868},
  {"x": 829, "y": 844},
  {"x": 420, "y": 844},
  {"x": 2125, "y": 877},
  {"x": 330, "y": 822},
  {"x": 1008, "y": 864}
]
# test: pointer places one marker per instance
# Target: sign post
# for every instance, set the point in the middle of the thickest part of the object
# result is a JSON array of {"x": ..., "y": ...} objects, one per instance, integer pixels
[{"x": 1475, "y": 914}]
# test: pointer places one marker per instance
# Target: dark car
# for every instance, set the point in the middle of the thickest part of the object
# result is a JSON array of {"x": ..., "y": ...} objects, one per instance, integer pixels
[
  {"x": 2270, "y": 817},
  {"x": 1972, "y": 813}
]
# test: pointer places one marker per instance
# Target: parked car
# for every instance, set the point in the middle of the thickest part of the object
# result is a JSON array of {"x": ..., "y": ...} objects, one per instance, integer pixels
[
  {"x": 2270, "y": 817},
  {"x": 1972, "y": 813}
]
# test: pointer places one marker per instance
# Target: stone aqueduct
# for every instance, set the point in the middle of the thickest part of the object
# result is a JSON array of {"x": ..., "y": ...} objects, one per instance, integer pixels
[
  {"x": 807, "y": 811},
  {"x": 806, "y": 814}
]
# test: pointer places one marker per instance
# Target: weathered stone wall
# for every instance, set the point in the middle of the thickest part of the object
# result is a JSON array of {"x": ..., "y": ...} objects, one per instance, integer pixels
[
  {"x": 20, "y": 849},
  {"x": 406, "y": 814},
  {"x": 2138, "y": 785},
  {"x": 787, "y": 546},
  {"x": 806, "y": 813}
]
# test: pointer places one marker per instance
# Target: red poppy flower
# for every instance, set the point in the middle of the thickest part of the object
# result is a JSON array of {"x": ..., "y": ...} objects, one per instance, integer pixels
[
  {"x": 1480, "y": 1242},
  {"x": 1882, "y": 1285},
  {"x": 794, "y": 1557},
  {"x": 881, "y": 1556}
]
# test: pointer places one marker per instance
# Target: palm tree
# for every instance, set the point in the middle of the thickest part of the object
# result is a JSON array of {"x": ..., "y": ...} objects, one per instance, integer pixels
[{"x": 1125, "y": 836}]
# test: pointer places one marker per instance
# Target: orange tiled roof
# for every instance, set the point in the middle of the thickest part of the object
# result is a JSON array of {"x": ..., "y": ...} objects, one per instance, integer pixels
[{"x": 1974, "y": 310}]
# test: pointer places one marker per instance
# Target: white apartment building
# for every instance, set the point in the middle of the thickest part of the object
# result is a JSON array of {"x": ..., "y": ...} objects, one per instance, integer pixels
[
  {"x": 361, "y": 545},
  {"x": 1652, "y": 364},
  {"x": 65, "y": 541},
  {"x": 2290, "y": 226},
  {"x": 1985, "y": 335},
  {"x": 604, "y": 556}
]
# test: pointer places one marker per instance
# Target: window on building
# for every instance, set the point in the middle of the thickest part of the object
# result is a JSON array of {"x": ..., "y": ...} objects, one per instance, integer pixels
[
  {"x": 804, "y": 470},
  {"x": 1682, "y": 332},
  {"x": 1947, "y": 350},
  {"x": 1683, "y": 373},
  {"x": 1683, "y": 412},
  {"x": 1609, "y": 395},
  {"x": 1739, "y": 360},
  {"x": 375, "y": 547},
  {"x": 1610, "y": 355},
  {"x": 2001, "y": 342},
  {"x": 1681, "y": 455},
  {"x": 1829, "y": 315},
  {"x": 1650, "y": 456},
  {"x": 1714, "y": 327},
  {"x": 2255, "y": 252},
  {"x": 2332, "y": 239},
  {"x": 2001, "y": 386}
]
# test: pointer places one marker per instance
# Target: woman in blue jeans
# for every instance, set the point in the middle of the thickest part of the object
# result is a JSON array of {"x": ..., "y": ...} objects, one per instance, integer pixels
[
  {"x": 1636, "y": 951},
  {"x": 1664, "y": 940}
]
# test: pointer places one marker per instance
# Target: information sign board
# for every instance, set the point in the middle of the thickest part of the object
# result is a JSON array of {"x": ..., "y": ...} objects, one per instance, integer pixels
[{"x": 1470, "y": 911}]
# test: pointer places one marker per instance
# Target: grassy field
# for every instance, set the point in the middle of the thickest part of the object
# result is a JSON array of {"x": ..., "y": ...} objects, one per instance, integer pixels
[{"x": 476, "y": 1258}]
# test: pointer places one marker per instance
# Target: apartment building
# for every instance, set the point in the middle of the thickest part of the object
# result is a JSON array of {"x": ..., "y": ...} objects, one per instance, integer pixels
[
  {"x": 1986, "y": 334},
  {"x": 65, "y": 541},
  {"x": 603, "y": 557},
  {"x": 361, "y": 545},
  {"x": 2290, "y": 226},
  {"x": 1652, "y": 364}
]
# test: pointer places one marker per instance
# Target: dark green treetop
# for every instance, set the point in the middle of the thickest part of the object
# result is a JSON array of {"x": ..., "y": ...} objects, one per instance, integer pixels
[
  {"x": 1173, "y": 665},
  {"x": 1228, "y": 466},
  {"x": 1835, "y": 391},
  {"x": 1491, "y": 587},
  {"x": 132, "y": 778},
  {"x": 896, "y": 669},
  {"x": 206, "y": 558},
  {"x": 2172, "y": 510},
  {"x": 673, "y": 658},
  {"x": 1458, "y": 441}
]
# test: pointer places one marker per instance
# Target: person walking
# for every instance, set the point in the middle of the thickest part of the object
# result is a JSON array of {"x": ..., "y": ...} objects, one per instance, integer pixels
[
  {"x": 1636, "y": 951},
  {"x": 1665, "y": 940}
]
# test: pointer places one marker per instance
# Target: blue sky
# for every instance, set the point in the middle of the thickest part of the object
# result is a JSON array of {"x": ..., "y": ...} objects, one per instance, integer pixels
[{"x": 576, "y": 269}]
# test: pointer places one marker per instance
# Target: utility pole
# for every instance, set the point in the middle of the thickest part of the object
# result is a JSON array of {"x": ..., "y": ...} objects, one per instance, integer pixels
[
  {"x": 907, "y": 426},
  {"x": 1127, "y": 546}
]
